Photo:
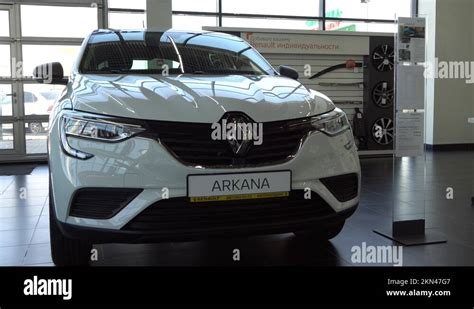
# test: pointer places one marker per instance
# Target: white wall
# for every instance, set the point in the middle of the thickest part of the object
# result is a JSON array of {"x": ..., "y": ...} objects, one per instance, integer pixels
[
  {"x": 453, "y": 98},
  {"x": 427, "y": 9},
  {"x": 449, "y": 101}
]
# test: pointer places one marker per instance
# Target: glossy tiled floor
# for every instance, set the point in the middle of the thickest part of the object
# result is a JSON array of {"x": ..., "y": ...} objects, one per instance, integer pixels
[{"x": 24, "y": 235}]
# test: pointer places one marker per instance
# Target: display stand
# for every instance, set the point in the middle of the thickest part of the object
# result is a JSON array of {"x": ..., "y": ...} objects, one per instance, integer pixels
[{"x": 408, "y": 210}]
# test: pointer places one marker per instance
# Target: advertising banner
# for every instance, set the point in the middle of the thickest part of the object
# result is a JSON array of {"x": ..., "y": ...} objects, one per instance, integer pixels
[{"x": 289, "y": 43}]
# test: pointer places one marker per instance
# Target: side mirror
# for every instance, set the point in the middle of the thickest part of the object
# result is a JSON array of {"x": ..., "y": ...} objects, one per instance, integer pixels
[
  {"x": 288, "y": 72},
  {"x": 50, "y": 73}
]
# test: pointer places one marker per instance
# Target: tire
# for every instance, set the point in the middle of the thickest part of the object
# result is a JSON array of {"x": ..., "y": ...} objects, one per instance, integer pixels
[
  {"x": 66, "y": 251},
  {"x": 35, "y": 127},
  {"x": 322, "y": 234}
]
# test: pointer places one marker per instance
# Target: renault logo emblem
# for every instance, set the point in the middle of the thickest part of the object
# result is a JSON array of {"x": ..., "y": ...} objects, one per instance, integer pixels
[{"x": 239, "y": 136}]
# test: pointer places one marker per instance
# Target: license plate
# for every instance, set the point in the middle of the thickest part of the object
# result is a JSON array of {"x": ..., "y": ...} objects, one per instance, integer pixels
[{"x": 228, "y": 187}]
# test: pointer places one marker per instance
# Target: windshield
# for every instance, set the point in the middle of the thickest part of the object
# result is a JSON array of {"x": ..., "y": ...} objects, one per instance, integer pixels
[{"x": 176, "y": 52}]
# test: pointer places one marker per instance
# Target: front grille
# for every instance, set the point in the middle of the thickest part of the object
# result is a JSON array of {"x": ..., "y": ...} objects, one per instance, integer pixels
[
  {"x": 178, "y": 215},
  {"x": 343, "y": 187},
  {"x": 192, "y": 144},
  {"x": 101, "y": 203}
]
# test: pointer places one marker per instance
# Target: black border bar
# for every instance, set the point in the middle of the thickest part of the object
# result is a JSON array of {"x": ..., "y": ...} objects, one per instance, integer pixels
[{"x": 238, "y": 285}]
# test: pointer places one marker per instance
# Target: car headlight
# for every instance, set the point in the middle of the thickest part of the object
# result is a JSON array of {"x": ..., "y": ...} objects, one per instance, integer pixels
[
  {"x": 332, "y": 123},
  {"x": 97, "y": 128}
]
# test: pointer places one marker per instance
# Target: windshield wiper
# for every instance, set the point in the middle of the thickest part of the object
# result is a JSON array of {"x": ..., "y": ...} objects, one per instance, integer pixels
[
  {"x": 117, "y": 71},
  {"x": 123, "y": 71},
  {"x": 226, "y": 72},
  {"x": 106, "y": 71}
]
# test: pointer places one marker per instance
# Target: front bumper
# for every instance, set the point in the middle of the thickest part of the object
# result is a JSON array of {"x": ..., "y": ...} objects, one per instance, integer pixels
[
  {"x": 98, "y": 235},
  {"x": 144, "y": 164}
]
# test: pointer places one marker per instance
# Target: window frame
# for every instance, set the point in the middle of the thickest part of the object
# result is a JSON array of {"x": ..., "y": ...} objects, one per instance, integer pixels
[
  {"x": 220, "y": 15},
  {"x": 321, "y": 19}
]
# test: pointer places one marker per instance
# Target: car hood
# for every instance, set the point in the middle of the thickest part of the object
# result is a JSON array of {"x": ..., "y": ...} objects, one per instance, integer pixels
[{"x": 196, "y": 98}]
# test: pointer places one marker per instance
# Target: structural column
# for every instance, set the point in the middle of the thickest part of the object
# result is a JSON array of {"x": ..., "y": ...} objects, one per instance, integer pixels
[{"x": 158, "y": 14}]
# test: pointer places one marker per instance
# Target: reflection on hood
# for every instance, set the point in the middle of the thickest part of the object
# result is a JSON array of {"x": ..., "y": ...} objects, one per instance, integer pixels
[{"x": 196, "y": 98}]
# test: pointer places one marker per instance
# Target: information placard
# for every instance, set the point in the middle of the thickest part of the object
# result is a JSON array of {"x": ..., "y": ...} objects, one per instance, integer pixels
[
  {"x": 410, "y": 134},
  {"x": 411, "y": 39},
  {"x": 410, "y": 92}
]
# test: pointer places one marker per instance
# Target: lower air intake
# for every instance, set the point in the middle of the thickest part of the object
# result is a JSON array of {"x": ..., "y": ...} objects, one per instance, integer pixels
[
  {"x": 343, "y": 187},
  {"x": 101, "y": 203}
]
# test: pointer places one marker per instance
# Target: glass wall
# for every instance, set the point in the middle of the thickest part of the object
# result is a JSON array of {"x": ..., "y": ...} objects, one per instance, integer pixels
[
  {"x": 333, "y": 15},
  {"x": 195, "y": 6},
  {"x": 342, "y": 25},
  {"x": 127, "y": 4},
  {"x": 6, "y": 136},
  {"x": 36, "y": 39},
  {"x": 5, "y": 62},
  {"x": 6, "y": 102},
  {"x": 267, "y": 23},
  {"x": 4, "y": 23},
  {"x": 126, "y": 14},
  {"x": 193, "y": 22},
  {"x": 372, "y": 9},
  {"x": 34, "y": 55},
  {"x": 68, "y": 22},
  {"x": 271, "y": 7},
  {"x": 44, "y": 41}
]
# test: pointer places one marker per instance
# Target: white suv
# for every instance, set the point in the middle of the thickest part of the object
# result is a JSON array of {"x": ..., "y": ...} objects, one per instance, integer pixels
[{"x": 171, "y": 136}]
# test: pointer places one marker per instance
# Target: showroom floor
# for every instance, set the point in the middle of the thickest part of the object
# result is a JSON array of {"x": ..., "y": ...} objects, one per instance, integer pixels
[{"x": 24, "y": 234}]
